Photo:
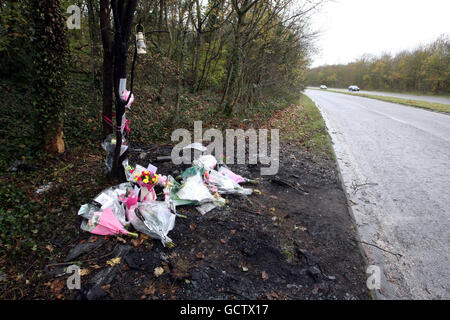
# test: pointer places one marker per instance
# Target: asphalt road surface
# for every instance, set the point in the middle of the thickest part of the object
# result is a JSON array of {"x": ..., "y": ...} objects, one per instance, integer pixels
[
  {"x": 443, "y": 100},
  {"x": 395, "y": 164}
]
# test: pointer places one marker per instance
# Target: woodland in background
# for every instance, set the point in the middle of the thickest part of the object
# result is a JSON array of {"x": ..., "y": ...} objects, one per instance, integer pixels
[
  {"x": 206, "y": 60},
  {"x": 425, "y": 69},
  {"x": 228, "y": 63}
]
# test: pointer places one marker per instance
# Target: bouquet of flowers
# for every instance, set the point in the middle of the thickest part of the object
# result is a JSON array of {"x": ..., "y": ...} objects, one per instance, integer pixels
[{"x": 146, "y": 179}]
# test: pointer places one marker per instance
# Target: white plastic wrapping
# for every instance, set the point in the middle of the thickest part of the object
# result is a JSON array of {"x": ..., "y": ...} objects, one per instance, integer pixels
[
  {"x": 108, "y": 198},
  {"x": 208, "y": 162},
  {"x": 195, "y": 189},
  {"x": 109, "y": 145},
  {"x": 223, "y": 170},
  {"x": 154, "y": 219},
  {"x": 225, "y": 185}
]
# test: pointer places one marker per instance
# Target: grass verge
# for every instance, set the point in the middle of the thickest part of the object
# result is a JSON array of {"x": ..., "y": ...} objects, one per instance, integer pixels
[
  {"x": 408, "y": 102},
  {"x": 302, "y": 124}
]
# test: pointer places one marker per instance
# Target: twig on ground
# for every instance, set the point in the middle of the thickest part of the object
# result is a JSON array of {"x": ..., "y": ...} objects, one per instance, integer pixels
[
  {"x": 357, "y": 187},
  {"x": 397, "y": 255},
  {"x": 288, "y": 184},
  {"x": 82, "y": 261}
]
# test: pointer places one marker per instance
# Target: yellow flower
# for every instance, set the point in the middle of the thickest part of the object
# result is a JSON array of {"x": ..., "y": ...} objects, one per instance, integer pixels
[{"x": 145, "y": 180}]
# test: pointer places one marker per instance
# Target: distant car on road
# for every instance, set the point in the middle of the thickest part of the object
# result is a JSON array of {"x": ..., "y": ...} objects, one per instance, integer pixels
[
  {"x": 353, "y": 88},
  {"x": 323, "y": 87}
]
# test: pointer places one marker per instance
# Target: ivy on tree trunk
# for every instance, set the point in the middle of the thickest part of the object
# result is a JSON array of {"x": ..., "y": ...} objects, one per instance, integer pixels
[{"x": 49, "y": 63}]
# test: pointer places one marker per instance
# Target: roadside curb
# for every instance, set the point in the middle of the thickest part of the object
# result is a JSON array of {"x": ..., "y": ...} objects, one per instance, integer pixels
[{"x": 349, "y": 207}]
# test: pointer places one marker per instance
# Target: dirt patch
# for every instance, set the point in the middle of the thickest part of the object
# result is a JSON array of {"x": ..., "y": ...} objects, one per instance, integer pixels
[{"x": 292, "y": 241}]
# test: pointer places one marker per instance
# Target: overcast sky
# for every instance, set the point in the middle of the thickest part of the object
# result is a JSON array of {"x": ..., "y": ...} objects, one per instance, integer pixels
[{"x": 351, "y": 28}]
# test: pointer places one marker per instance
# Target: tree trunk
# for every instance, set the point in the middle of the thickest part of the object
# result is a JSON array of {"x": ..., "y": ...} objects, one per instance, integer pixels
[
  {"x": 123, "y": 19},
  {"x": 197, "y": 58},
  {"x": 50, "y": 52},
  {"x": 108, "y": 76},
  {"x": 180, "y": 78},
  {"x": 235, "y": 72},
  {"x": 93, "y": 38}
]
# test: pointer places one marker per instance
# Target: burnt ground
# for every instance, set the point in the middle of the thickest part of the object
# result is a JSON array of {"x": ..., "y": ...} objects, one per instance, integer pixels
[{"x": 294, "y": 240}]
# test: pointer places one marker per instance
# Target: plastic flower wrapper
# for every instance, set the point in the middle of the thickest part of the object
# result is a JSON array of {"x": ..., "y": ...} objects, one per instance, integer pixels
[
  {"x": 207, "y": 207},
  {"x": 105, "y": 223},
  {"x": 224, "y": 184},
  {"x": 192, "y": 171},
  {"x": 130, "y": 198},
  {"x": 126, "y": 93},
  {"x": 195, "y": 189},
  {"x": 129, "y": 170},
  {"x": 223, "y": 170},
  {"x": 171, "y": 198},
  {"x": 108, "y": 198},
  {"x": 109, "y": 145},
  {"x": 154, "y": 219},
  {"x": 207, "y": 162}
]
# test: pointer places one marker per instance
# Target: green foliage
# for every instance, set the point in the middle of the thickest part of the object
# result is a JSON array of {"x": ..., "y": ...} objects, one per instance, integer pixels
[
  {"x": 15, "y": 36},
  {"x": 19, "y": 221},
  {"x": 82, "y": 117},
  {"x": 424, "y": 69},
  {"x": 18, "y": 133}
]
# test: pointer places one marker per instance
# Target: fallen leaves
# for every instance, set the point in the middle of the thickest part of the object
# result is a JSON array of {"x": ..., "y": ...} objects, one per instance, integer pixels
[
  {"x": 121, "y": 240},
  {"x": 140, "y": 241},
  {"x": 107, "y": 288},
  {"x": 158, "y": 271},
  {"x": 56, "y": 287},
  {"x": 150, "y": 290},
  {"x": 200, "y": 255},
  {"x": 136, "y": 242},
  {"x": 114, "y": 261},
  {"x": 84, "y": 272},
  {"x": 300, "y": 228},
  {"x": 92, "y": 239}
]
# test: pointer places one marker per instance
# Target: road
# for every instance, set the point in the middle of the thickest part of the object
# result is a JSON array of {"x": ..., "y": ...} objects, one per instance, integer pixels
[
  {"x": 395, "y": 164},
  {"x": 443, "y": 100}
]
